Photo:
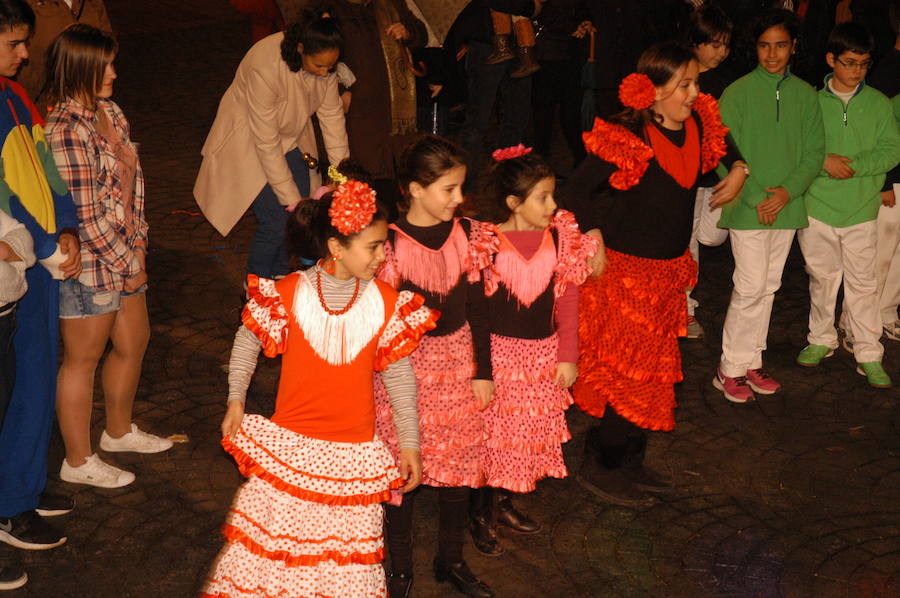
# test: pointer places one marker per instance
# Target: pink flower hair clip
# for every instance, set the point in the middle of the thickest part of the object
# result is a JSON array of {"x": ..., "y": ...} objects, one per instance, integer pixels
[{"x": 516, "y": 151}]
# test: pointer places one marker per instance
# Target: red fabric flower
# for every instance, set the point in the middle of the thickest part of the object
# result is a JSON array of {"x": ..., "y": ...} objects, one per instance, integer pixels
[
  {"x": 352, "y": 207},
  {"x": 619, "y": 146},
  {"x": 637, "y": 91},
  {"x": 516, "y": 151},
  {"x": 712, "y": 146}
]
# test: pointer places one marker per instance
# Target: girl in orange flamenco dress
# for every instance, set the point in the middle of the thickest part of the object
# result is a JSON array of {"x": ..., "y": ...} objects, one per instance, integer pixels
[
  {"x": 308, "y": 521},
  {"x": 635, "y": 192}
]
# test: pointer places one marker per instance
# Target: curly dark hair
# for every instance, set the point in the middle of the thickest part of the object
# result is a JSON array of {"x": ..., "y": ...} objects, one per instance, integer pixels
[
  {"x": 316, "y": 31},
  {"x": 309, "y": 228}
]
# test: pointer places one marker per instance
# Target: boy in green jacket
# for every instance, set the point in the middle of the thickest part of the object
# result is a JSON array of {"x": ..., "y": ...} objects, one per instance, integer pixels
[
  {"x": 775, "y": 120},
  {"x": 862, "y": 145}
]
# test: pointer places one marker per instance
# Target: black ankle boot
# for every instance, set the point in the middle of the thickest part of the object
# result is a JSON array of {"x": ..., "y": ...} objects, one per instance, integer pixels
[
  {"x": 637, "y": 473},
  {"x": 510, "y": 517},
  {"x": 462, "y": 577},
  {"x": 483, "y": 522},
  {"x": 399, "y": 585}
]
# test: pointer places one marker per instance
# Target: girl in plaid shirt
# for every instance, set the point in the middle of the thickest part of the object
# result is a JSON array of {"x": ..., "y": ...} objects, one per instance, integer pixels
[{"x": 91, "y": 144}]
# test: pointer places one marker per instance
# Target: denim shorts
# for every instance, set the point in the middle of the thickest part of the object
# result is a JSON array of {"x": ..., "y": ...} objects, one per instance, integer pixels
[{"x": 79, "y": 301}]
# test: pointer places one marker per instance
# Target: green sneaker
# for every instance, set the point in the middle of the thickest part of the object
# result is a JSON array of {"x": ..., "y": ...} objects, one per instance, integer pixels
[
  {"x": 875, "y": 374},
  {"x": 813, "y": 355}
]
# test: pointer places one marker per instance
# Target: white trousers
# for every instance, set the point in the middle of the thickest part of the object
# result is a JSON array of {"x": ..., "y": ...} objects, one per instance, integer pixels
[
  {"x": 704, "y": 231},
  {"x": 847, "y": 254},
  {"x": 887, "y": 261},
  {"x": 759, "y": 257}
]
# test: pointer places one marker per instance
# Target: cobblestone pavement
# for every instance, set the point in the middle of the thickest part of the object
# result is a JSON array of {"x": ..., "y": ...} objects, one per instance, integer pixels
[{"x": 797, "y": 495}]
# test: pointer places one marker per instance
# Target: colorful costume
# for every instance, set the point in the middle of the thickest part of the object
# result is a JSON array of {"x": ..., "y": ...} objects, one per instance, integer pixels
[
  {"x": 533, "y": 288},
  {"x": 631, "y": 316},
  {"x": 308, "y": 521},
  {"x": 33, "y": 193},
  {"x": 452, "y": 354}
]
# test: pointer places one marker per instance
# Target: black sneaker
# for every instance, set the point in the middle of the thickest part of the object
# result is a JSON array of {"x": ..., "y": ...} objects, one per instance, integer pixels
[
  {"x": 12, "y": 577},
  {"x": 52, "y": 505},
  {"x": 30, "y": 532}
]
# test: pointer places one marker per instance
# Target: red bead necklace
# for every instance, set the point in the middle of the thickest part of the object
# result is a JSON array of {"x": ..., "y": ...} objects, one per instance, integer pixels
[{"x": 334, "y": 312}]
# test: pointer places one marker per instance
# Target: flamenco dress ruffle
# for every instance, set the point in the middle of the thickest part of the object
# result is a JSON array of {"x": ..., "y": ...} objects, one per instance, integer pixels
[
  {"x": 308, "y": 522},
  {"x": 629, "y": 322},
  {"x": 450, "y": 424},
  {"x": 525, "y": 423}
]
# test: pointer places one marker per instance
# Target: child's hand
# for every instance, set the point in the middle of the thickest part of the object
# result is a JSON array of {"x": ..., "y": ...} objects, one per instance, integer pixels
[
  {"x": 398, "y": 31},
  {"x": 233, "y": 418},
  {"x": 566, "y": 373},
  {"x": 728, "y": 188},
  {"x": 71, "y": 247},
  {"x": 484, "y": 392},
  {"x": 836, "y": 167},
  {"x": 768, "y": 209},
  {"x": 888, "y": 199},
  {"x": 135, "y": 282},
  {"x": 598, "y": 260},
  {"x": 410, "y": 468}
]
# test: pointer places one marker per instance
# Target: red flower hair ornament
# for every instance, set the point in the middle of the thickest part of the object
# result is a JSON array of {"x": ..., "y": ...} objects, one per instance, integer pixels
[
  {"x": 637, "y": 91},
  {"x": 352, "y": 207},
  {"x": 508, "y": 153}
]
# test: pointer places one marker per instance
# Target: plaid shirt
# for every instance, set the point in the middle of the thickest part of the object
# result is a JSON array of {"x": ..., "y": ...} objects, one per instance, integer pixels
[{"x": 87, "y": 163}]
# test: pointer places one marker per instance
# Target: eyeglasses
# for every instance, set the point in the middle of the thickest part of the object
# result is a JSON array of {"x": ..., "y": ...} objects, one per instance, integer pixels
[{"x": 854, "y": 65}]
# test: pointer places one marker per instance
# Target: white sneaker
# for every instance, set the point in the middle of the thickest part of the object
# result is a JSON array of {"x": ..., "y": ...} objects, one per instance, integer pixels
[
  {"x": 892, "y": 331},
  {"x": 95, "y": 472},
  {"x": 847, "y": 340},
  {"x": 135, "y": 441}
]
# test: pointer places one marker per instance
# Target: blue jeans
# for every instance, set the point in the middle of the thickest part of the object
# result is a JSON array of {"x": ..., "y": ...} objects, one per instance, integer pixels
[
  {"x": 268, "y": 253},
  {"x": 485, "y": 81}
]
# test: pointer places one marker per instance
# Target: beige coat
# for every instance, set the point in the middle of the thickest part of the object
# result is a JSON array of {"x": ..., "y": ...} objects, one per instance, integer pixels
[{"x": 264, "y": 114}]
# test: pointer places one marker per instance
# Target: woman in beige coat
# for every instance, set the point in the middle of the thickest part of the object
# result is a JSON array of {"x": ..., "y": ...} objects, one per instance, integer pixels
[{"x": 254, "y": 152}]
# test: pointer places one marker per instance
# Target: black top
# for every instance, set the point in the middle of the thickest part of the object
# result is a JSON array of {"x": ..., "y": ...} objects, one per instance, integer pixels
[
  {"x": 714, "y": 82},
  {"x": 465, "y": 302},
  {"x": 652, "y": 219},
  {"x": 886, "y": 79}
]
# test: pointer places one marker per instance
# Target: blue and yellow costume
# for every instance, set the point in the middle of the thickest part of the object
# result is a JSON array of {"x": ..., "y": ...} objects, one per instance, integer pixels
[{"x": 32, "y": 191}]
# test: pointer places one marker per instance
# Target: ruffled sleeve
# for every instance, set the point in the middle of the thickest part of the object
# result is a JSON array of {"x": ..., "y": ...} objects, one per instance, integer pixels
[
  {"x": 713, "y": 146},
  {"x": 573, "y": 253},
  {"x": 484, "y": 243},
  {"x": 265, "y": 315},
  {"x": 408, "y": 324},
  {"x": 619, "y": 146}
]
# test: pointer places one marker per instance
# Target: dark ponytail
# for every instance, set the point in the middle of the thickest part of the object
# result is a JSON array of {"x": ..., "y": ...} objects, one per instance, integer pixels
[
  {"x": 516, "y": 177},
  {"x": 309, "y": 228},
  {"x": 317, "y": 31}
]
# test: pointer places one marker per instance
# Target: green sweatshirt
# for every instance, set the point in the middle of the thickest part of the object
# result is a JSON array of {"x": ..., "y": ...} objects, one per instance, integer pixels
[
  {"x": 776, "y": 123},
  {"x": 865, "y": 131}
]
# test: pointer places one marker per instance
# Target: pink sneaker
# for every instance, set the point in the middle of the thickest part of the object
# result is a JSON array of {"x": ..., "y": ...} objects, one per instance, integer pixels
[
  {"x": 761, "y": 382},
  {"x": 736, "y": 389}
]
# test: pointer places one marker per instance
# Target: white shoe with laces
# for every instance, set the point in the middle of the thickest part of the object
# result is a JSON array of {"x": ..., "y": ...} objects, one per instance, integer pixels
[
  {"x": 95, "y": 472},
  {"x": 135, "y": 441}
]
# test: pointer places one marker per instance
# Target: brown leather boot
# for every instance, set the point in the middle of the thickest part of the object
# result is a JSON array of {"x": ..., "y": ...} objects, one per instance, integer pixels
[
  {"x": 526, "y": 62},
  {"x": 501, "y": 52}
]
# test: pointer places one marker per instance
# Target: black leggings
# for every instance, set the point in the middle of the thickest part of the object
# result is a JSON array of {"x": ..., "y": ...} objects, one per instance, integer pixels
[
  {"x": 454, "y": 508},
  {"x": 616, "y": 441}
]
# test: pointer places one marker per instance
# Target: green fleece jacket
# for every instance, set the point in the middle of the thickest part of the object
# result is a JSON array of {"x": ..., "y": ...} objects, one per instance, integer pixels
[
  {"x": 776, "y": 123},
  {"x": 865, "y": 131}
]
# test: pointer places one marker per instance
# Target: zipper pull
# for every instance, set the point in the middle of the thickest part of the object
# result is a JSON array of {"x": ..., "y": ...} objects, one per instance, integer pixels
[
  {"x": 777, "y": 95},
  {"x": 845, "y": 116}
]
